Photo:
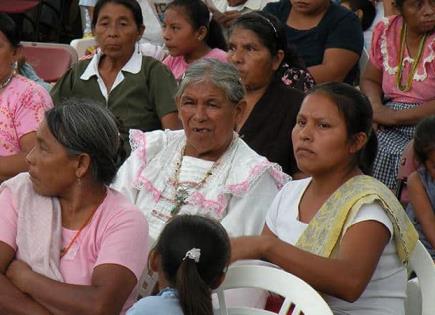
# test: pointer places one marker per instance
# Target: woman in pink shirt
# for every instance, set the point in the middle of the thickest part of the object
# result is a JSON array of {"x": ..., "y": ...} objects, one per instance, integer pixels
[
  {"x": 69, "y": 244},
  {"x": 190, "y": 34},
  {"x": 22, "y": 104},
  {"x": 400, "y": 80}
]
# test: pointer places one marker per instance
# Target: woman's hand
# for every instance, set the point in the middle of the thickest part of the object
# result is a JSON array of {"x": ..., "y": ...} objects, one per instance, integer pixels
[
  {"x": 18, "y": 272},
  {"x": 383, "y": 115},
  {"x": 249, "y": 247}
]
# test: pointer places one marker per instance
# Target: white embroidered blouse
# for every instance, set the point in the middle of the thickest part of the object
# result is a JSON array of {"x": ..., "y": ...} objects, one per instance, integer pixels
[{"x": 238, "y": 193}]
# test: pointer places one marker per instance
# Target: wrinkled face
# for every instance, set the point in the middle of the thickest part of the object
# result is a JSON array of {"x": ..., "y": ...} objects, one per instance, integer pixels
[
  {"x": 179, "y": 35},
  {"x": 320, "y": 139},
  {"x": 309, "y": 7},
  {"x": 253, "y": 60},
  {"x": 116, "y": 31},
  {"x": 419, "y": 15},
  {"x": 51, "y": 169},
  {"x": 208, "y": 118},
  {"x": 8, "y": 55},
  {"x": 430, "y": 164}
]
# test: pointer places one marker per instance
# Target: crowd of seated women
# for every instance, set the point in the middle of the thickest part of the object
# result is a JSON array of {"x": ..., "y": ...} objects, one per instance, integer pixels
[{"x": 246, "y": 141}]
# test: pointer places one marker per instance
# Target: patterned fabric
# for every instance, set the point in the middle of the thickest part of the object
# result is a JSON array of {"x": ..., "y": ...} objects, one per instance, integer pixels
[
  {"x": 328, "y": 225},
  {"x": 22, "y": 107},
  {"x": 298, "y": 78},
  {"x": 391, "y": 143},
  {"x": 384, "y": 56}
]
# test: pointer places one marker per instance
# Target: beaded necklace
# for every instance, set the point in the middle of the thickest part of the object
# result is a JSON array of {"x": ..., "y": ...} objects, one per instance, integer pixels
[
  {"x": 181, "y": 191},
  {"x": 408, "y": 85}
]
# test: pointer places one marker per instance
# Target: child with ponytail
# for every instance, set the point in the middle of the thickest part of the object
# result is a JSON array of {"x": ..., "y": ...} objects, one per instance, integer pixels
[
  {"x": 190, "y": 34},
  {"x": 190, "y": 257}
]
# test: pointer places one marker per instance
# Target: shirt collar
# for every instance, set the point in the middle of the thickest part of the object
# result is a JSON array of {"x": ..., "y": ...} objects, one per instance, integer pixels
[{"x": 133, "y": 65}]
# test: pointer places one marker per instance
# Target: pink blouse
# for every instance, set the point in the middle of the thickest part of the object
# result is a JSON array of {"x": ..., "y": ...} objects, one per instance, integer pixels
[
  {"x": 22, "y": 107},
  {"x": 178, "y": 65},
  {"x": 384, "y": 55}
]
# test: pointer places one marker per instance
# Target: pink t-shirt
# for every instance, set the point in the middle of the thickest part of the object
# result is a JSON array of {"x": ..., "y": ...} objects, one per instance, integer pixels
[
  {"x": 178, "y": 65},
  {"x": 22, "y": 107},
  {"x": 384, "y": 55},
  {"x": 117, "y": 234}
]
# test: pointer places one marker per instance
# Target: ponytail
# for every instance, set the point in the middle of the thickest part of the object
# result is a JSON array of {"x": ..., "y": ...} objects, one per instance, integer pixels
[
  {"x": 193, "y": 293},
  {"x": 215, "y": 37}
]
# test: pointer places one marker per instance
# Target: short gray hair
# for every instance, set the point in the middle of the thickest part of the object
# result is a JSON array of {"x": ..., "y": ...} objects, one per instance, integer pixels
[
  {"x": 83, "y": 126},
  {"x": 223, "y": 75}
]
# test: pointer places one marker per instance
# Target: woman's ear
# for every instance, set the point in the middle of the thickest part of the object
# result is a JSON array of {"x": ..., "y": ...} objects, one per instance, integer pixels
[
  {"x": 359, "y": 13},
  {"x": 240, "y": 111},
  {"x": 202, "y": 33},
  {"x": 140, "y": 31},
  {"x": 359, "y": 141},
  {"x": 277, "y": 59},
  {"x": 83, "y": 165}
]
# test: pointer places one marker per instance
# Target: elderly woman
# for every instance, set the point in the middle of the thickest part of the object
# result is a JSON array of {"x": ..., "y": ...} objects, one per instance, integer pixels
[
  {"x": 340, "y": 230},
  {"x": 258, "y": 48},
  {"x": 138, "y": 90},
  {"x": 400, "y": 80},
  {"x": 206, "y": 168},
  {"x": 328, "y": 37},
  {"x": 65, "y": 237},
  {"x": 22, "y": 105}
]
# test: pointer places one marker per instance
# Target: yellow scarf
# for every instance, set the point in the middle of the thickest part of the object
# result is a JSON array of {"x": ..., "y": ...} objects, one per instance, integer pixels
[{"x": 329, "y": 224}]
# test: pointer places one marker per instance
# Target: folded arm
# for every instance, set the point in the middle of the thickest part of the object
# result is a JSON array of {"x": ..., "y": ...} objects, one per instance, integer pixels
[
  {"x": 12, "y": 300},
  {"x": 111, "y": 285}
]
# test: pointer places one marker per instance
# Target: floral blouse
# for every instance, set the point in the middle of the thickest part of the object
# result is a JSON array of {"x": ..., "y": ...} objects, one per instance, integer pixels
[{"x": 22, "y": 107}]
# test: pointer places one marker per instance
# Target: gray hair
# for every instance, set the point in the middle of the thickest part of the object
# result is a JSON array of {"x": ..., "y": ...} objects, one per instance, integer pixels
[
  {"x": 83, "y": 126},
  {"x": 223, "y": 75}
]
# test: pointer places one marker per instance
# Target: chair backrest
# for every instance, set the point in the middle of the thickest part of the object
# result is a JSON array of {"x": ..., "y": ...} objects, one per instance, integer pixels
[
  {"x": 49, "y": 60},
  {"x": 407, "y": 165},
  {"x": 295, "y": 291},
  {"x": 422, "y": 264},
  {"x": 82, "y": 44}
]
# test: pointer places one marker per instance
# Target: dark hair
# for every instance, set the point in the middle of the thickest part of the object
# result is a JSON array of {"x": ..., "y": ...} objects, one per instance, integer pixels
[
  {"x": 193, "y": 280},
  {"x": 272, "y": 34},
  {"x": 199, "y": 15},
  {"x": 85, "y": 127},
  {"x": 132, "y": 5},
  {"x": 358, "y": 116},
  {"x": 368, "y": 10},
  {"x": 424, "y": 138},
  {"x": 9, "y": 29}
]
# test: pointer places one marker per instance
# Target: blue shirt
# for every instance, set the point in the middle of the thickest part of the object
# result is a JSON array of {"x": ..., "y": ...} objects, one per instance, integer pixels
[{"x": 165, "y": 303}]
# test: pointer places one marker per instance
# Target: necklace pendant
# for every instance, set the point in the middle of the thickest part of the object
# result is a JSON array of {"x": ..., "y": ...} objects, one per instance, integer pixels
[{"x": 181, "y": 195}]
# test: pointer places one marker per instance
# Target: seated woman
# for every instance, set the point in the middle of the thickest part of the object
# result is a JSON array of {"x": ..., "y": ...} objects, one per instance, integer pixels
[
  {"x": 22, "y": 104},
  {"x": 399, "y": 81},
  {"x": 206, "y": 168},
  {"x": 65, "y": 237},
  {"x": 191, "y": 34},
  {"x": 138, "y": 90},
  {"x": 341, "y": 231},
  {"x": 327, "y": 36},
  {"x": 258, "y": 49}
]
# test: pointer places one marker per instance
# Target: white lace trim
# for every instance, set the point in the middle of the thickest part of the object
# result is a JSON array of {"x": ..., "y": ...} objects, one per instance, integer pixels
[{"x": 393, "y": 70}]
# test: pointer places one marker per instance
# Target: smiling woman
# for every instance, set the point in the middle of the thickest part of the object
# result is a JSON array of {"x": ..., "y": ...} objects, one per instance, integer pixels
[
  {"x": 204, "y": 169},
  {"x": 137, "y": 89}
]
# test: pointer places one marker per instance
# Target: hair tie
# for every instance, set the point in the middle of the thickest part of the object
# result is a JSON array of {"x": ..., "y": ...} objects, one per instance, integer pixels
[{"x": 193, "y": 254}]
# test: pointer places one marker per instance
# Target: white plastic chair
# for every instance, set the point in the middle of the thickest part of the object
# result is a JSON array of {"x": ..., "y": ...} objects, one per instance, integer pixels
[
  {"x": 81, "y": 44},
  {"x": 422, "y": 264},
  {"x": 294, "y": 290}
]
